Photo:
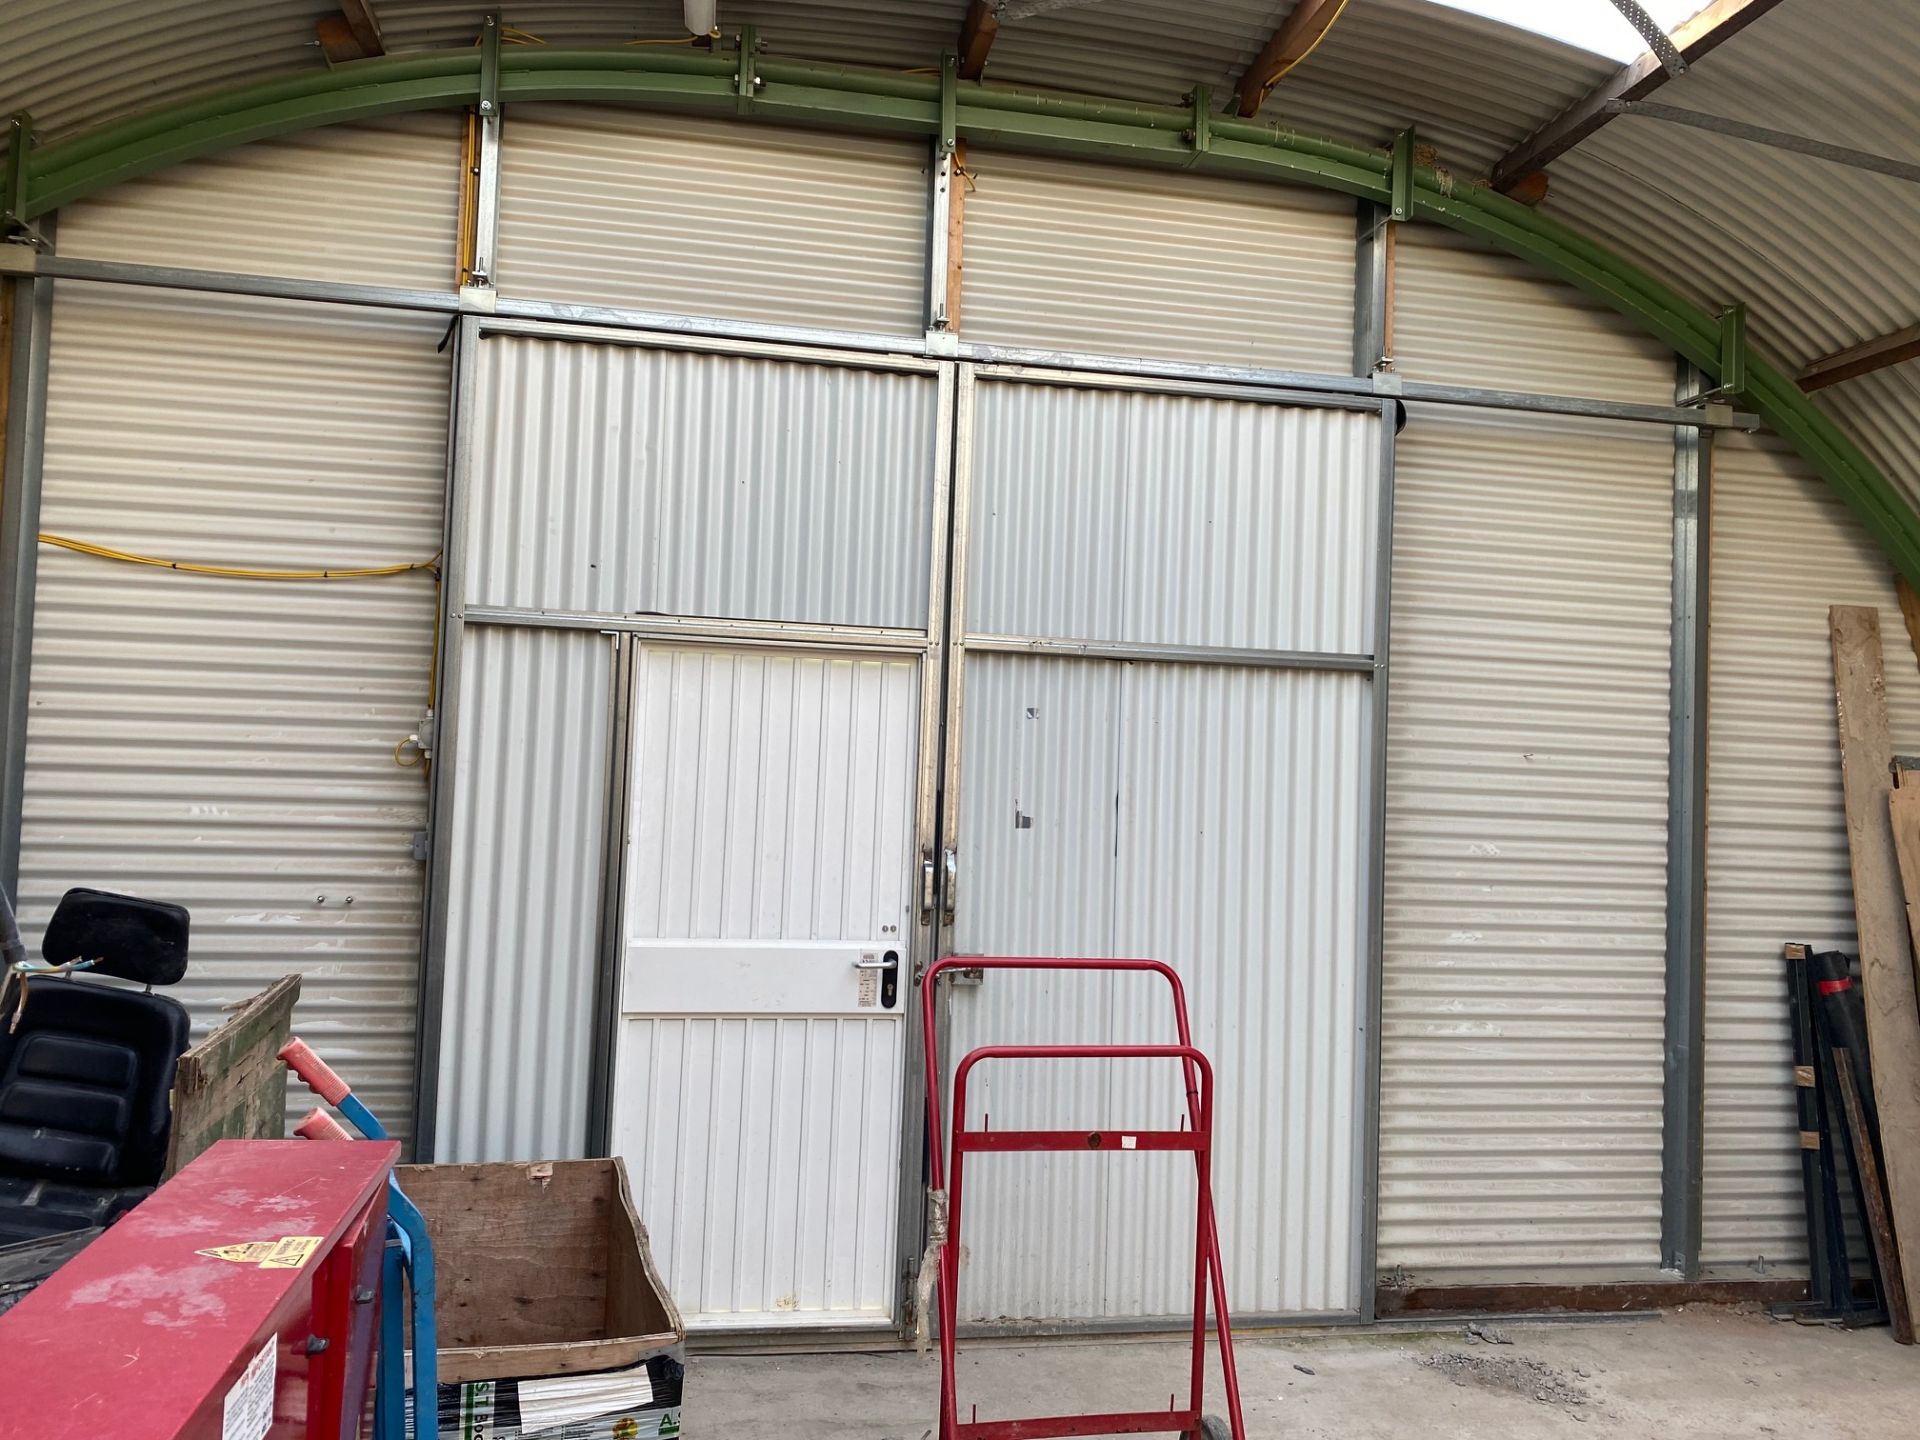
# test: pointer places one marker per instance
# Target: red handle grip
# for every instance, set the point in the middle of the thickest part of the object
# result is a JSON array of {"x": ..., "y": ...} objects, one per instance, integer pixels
[
  {"x": 319, "y": 1125},
  {"x": 316, "y": 1072}
]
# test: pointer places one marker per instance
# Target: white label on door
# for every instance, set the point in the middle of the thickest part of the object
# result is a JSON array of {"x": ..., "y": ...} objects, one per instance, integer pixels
[
  {"x": 869, "y": 984},
  {"x": 248, "y": 1413}
]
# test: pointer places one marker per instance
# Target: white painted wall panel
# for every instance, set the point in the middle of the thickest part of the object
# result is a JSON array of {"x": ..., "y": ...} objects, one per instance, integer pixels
[
  {"x": 622, "y": 479},
  {"x": 1526, "y": 848},
  {"x": 1211, "y": 817},
  {"x": 1465, "y": 315},
  {"x": 1785, "y": 548},
  {"x": 1167, "y": 519},
  {"x": 1067, "y": 255},
  {"x": 619, "y": 207},
  {"x": 527, "y": 830},
  {"x": 373, "y": 203},
  {"x": 228, "y": 744}
]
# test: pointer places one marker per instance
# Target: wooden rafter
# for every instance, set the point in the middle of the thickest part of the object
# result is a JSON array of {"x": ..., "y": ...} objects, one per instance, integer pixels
[
  {"x": 1713, "y": 26},
  {"x": 353, "y": 34},
  {"x": 365, "y": 25},
  {"x": 1862, "y": 359},
  {"x": 1297, "y": 35},
  {"x": 976, "y": 38}
]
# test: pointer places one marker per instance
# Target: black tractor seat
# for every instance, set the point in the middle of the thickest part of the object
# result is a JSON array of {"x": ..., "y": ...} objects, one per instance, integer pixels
[{"x": 86, "y": 1078}]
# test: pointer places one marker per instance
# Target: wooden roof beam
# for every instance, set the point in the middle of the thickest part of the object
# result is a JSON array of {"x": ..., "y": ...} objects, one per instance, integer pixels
[
  {"x": 353, "y": 34},
  {"x": 1862, "y": 359},
  {"x": 976, "y": 38},
  {"x": 1712, "y": 27},
  {"x": 1291, "y": 43}
]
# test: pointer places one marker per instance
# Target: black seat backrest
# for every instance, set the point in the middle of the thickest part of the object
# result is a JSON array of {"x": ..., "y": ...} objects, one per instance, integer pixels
[{"x": 86, "y": 1083}]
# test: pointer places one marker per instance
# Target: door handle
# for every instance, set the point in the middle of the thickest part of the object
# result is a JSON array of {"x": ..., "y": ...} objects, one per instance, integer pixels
[
  {"x": 952, "y": 887},
  {"x": 889, "y": 967},
  {"x": 926, "y": 888}
]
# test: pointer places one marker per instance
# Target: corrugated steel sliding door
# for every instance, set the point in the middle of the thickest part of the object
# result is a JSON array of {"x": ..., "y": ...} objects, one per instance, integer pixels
[
  {"x": 1163, "y": 745},
  {"x": 691, "y": 801}
]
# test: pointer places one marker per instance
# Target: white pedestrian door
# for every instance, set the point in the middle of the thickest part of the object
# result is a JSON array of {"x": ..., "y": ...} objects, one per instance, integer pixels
[{"x": 767, "y": 977}]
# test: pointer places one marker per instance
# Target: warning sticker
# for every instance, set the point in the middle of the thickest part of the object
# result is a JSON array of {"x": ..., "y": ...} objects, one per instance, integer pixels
[
  {"x": 248, "y": 1413},
  {"x": 869, "y": 984},
  {"x": 289, "y": 1252}
]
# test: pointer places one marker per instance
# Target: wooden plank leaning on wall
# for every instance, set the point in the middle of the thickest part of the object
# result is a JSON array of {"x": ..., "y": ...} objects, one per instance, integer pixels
[{"x": 1880, "y": 914}]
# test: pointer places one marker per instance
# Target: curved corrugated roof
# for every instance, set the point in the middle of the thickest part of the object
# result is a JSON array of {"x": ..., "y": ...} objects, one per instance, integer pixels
[{"x": 1815, "y": 249}]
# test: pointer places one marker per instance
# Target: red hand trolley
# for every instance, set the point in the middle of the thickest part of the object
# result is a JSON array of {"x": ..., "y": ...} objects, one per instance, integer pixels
[{"x": 1197, "y": 1137}]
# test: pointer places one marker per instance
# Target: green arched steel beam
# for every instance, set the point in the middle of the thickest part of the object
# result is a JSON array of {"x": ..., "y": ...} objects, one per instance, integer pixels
[{"x": 825, "y": 96}]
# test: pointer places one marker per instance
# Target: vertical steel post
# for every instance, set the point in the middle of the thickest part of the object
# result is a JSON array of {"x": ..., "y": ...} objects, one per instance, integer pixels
[
  {"x": 940, "y": 202},
  {"x": 1372, "y": 254},
  {"x": 433, "y": 932},
  {"x": 26, "y": 430},
  {"x": 1684, "y": 1057},
  {"x": 1372, "y": 257},
  {"x": 486, "y": 209},
  {"x": 610, "y": 943}
]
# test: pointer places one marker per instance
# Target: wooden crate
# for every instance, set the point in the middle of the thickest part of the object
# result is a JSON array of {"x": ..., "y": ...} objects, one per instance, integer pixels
[
  {"x": 232, "y": 1086},
  {"x": 542, "y": 1268}
]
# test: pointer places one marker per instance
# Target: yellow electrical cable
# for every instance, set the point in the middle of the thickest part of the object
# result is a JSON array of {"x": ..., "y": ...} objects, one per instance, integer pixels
[
  {"x": 230, "y": 572},
  {"x": 523, "y": 37},
  {"x": 690, "y": 40},
  {"x": 1266, "y": 86}
]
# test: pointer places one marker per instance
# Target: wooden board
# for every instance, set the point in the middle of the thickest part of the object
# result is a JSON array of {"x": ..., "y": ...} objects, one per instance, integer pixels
[
  {"x": 1880, "y": 913},
  {"x": 539, "y": 1268},
  {"x": 232, "y": 1086},
  {"x": 956, "y": 234},
  {"x": 1886, "y": 1251}
]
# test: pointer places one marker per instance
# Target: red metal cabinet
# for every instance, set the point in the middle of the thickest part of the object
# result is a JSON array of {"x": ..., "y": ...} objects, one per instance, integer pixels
[{"x": 239, "y": 1302}]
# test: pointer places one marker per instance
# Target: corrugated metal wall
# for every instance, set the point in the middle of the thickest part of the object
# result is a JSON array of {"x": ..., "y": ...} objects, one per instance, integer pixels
[
  {"x": 707, "y": 217},
  {"x": 1105, "y": 514},
  {"x": 623, "y": 479},
  {"x": 1785, "y": 548},
  {"x": 1072, "y": 256},
  {"x": 1210, "y": 815},
  {"x": 529, "y": 803},
  {"x": 1466, "y": 315},
  {"x": 228, "y": 744},
  {"x": 1526, "y": 837},
  {"x": 373, "y": 203}
]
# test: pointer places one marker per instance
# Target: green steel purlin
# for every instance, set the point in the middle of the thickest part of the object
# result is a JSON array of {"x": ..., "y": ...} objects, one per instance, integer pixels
[
  {"x": 949, "y": 104},
  {"x": 489, "y": 106},
  {"x": 1733, "y": 350},
  {"x": 824, "y": 96},
  {"x": 1400, "y": 205},
  {"x": 1200, "y": 132},
  {"x": 20, "y": 147},
  {"x": 746, "y": 83}
]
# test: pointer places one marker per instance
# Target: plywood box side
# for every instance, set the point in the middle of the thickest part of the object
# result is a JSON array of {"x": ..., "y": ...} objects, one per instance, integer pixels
[{"x": 232, "y": 1086}]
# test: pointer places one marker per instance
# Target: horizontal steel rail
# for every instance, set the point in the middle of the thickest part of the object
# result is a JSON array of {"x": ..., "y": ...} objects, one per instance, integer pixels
[
  {"x": 560, "y": 319},
  {"x": 1319, "y": 660}
]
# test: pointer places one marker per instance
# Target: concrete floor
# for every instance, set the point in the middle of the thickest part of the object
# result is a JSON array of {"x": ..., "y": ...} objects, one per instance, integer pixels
[{"x": 1709, "y": 1373}]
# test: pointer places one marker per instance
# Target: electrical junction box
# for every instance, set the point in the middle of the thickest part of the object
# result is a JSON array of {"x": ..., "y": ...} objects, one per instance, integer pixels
[{"x": 240, "y": 1301}]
